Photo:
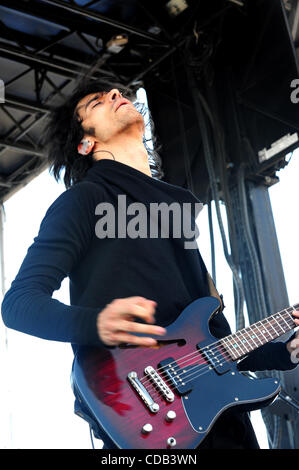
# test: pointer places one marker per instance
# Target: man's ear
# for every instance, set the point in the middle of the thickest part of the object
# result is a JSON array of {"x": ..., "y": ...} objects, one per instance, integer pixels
[{"x": 85, "y": 146}]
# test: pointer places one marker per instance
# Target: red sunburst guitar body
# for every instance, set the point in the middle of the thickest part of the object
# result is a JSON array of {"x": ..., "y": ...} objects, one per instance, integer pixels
[{"x": 170, "y": 396}]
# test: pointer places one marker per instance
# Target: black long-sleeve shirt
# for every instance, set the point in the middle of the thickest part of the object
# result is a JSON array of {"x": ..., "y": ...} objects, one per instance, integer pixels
[{"x": 102, "y": 269}]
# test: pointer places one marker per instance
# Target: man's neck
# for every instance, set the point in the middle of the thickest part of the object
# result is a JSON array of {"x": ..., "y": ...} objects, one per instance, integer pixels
[{"x": 128, "y": 151}]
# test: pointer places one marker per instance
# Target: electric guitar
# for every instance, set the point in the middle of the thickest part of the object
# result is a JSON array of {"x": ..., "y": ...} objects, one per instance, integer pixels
[{"x": 170, "y": 396}]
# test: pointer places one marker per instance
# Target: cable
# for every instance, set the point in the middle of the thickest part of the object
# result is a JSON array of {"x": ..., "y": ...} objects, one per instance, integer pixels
[
  {"x": 182, "y": 132},
  {"x": 253, "y": 256},
  {"x": 218, "y": 140},
  {"x": 212, "y": 242},
  {"x": 199, "y": 102},
  {"x": 91, "y": 436}
]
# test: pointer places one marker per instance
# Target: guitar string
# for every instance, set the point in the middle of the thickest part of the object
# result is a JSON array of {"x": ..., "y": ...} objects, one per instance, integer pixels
[
  {"x": 197, "y": 365},
  {"x": 225, "y": 350},
  {"x": 208, "y": 368},
  {"x": 234, "y": 338},
  {"x": 190, "y": 373},
  {"x": 199, "y": 375},
  {"x": 198, "y": 353},
  {"x": 188, "y": 376},
  {"x": 157, "y": 394},
  {"x": 177, "y": 375},
  {"x": 195, "y": 369}
]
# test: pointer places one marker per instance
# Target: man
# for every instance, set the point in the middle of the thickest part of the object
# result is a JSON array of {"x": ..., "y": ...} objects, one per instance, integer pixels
[{"x": 119, "y": 285}]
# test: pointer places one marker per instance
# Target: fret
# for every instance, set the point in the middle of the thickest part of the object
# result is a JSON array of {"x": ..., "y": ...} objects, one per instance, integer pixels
[
  {"x": 267, "y": 329},
  {"x": 236, "y": 344},
  {"x": 230, "y": 348},
  {"x": 292, "y": 320},
  {"x": 272, "y": 337},
  {"x": 258, "y": 335},
  {"x": 276, "y": 334},
  {"x": 285, "y": 320},
  {"x": 278, "y": 324},
  {"x": 289, "y": 319},
  {"x": 288, "y": 314},
  {"x": 253, "y": 336},
  {"x": 288, "y": 326},
  {"x": 263, "y": 331},
  {"x": 248, "y": 339},
  {"x": 289, "y": 310},
  {"x": 244, "y": 340},
  {"x": 295, "y": 307},
  {"x": 237, "y": 348}
]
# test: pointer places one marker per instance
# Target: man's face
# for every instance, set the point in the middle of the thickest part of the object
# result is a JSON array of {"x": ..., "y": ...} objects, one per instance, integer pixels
[{"x": 105, "y": 115}]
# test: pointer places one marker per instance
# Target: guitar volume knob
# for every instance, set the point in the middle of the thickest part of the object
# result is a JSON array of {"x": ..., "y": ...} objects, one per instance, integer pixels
[
  {"x": 147, "y": 428},
  {"x": 171, "y": 415}
]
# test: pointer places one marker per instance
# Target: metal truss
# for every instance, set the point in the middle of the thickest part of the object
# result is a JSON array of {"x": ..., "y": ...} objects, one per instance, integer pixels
[{"x": 54, "y": 61}]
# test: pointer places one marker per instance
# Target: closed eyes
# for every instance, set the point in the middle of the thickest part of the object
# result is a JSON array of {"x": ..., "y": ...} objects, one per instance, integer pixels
[
  {"x": 93, "y": 99},
  {"x": 100, "y": 102}
]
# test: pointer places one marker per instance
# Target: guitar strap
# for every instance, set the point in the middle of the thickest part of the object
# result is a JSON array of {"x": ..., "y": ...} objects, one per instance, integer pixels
[
  {"x": 214, "y": 292},
  {"x": 81, "y": 410}
]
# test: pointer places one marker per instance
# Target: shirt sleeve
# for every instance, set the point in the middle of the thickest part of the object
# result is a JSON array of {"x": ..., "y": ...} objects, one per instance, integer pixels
[
  {"x": 270, "y": 356},
  {"x": 63, "y": 238}
]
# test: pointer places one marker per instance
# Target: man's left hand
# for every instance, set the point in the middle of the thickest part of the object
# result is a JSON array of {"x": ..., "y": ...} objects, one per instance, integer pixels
[{"x": 294, "y": 343}]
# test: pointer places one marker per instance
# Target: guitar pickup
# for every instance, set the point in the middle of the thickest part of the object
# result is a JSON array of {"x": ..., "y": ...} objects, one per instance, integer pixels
[
  {"x": 176, "y": 375},
  {"x": 215, "y": 359}
]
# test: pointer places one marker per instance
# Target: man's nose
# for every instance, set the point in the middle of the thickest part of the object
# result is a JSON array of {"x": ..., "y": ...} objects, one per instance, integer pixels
[{"x": 114, "y": 94}]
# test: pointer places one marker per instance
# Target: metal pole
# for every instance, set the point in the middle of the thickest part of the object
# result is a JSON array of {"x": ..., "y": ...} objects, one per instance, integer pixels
[{"x": 6, "y": 417}]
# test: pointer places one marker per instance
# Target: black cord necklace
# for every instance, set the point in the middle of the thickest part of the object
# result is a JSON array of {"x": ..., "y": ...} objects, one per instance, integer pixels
[{"x": 107, "y": 151}]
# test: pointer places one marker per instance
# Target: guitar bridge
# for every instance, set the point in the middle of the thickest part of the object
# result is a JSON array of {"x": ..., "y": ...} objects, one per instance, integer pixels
[
  {"x": 159, "y": 383},
  {"x": 142, "y": 392}
]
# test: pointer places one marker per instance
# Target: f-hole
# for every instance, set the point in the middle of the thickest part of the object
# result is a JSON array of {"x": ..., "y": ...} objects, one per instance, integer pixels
[{"x": 160, "y": 344}]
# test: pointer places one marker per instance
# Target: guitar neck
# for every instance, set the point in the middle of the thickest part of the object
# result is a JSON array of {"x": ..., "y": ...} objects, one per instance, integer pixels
[{"x": 248, "y": 339}]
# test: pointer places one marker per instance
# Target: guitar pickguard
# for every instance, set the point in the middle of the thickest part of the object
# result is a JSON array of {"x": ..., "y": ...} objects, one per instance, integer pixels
[{"x": 218, "y": 393}]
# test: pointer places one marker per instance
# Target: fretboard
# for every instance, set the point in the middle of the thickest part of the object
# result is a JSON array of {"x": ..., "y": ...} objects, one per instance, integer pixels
[{"x": 246, "y": 340}]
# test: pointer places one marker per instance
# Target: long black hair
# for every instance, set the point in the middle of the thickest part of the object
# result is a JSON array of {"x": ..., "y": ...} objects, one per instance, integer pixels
[{"x": 64, "y": 132}]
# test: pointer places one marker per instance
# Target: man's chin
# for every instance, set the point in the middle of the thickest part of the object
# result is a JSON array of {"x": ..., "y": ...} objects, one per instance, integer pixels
[{"x": 130, "y": 116}]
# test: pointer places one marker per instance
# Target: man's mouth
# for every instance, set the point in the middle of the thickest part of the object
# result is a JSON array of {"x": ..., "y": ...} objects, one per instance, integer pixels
[
  {"x": 121, "y": 105},
  {"x": 122, "y": 102}
]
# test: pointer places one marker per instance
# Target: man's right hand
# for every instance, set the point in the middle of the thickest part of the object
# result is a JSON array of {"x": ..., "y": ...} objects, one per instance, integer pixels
[{"x": 115, "y": 322}]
